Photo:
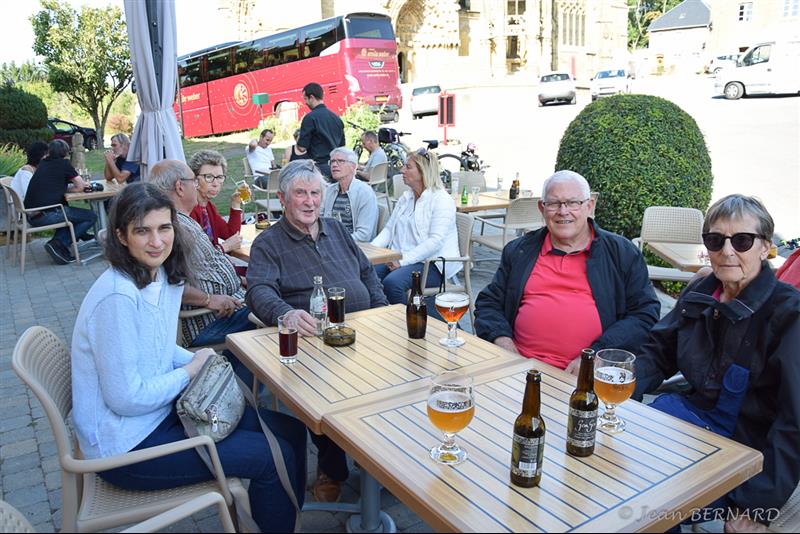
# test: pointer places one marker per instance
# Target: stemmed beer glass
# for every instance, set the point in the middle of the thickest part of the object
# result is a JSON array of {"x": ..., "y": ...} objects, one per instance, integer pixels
[
  {"x": 452, "y": 306},
  {"x": 451, "y": 406},
  {"x": 614, "y": 382}
]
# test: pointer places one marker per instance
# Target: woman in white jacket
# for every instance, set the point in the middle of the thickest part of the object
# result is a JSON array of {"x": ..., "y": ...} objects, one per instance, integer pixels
[{"x": 422, "y": 226}]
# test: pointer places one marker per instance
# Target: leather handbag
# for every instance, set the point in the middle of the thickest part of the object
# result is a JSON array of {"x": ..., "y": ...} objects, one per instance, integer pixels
[{"x": 212, "y": 402}]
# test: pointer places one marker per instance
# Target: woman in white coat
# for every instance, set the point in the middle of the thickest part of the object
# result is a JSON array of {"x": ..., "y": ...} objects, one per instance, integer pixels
[{"x": 422, "y": 226}]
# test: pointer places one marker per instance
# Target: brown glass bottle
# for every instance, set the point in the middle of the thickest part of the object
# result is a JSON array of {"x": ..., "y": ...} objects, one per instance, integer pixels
[
  {"x": 582, "y": 418},
  {"x": 416, "y": 309},
  {"x": 514, "y": 191},
  {"x": 527, "y": 447}
]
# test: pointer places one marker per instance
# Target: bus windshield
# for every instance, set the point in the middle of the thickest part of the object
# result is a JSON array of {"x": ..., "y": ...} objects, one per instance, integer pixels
[{"x": 360, "y": 27}]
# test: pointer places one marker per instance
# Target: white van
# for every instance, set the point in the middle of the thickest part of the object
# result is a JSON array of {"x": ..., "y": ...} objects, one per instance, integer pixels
[{"x": 766, "y": 68}]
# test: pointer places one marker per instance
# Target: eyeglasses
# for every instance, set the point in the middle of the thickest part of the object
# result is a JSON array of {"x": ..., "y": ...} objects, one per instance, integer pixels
[
  {"x": 571, "y": 205},
  {"x": 741, "y": 242},
  {"x": 195, "y": 180},
  {"x": 424, "y": 153},
  {"x": 209, "y": 178},
  {"x": 338, "y": 161}
]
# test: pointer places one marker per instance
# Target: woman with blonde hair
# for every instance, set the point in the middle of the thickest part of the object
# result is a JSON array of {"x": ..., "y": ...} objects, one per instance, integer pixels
[{"x": 422, "y": 226}]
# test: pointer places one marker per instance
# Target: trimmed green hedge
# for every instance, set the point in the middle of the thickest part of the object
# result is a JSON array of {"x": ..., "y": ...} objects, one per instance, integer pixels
[
  {"x": 19, "y": 109},
  {"x": 23, "y": 138},
  {"x": 637, "y": 151}
]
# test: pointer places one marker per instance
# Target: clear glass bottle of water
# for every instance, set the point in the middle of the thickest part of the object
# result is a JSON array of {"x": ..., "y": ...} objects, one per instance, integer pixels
[{"x": 318, "y": 305}]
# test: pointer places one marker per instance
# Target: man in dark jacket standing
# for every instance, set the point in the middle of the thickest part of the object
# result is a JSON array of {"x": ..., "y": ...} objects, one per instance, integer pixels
[
  {"x": 568, "y": 286},
  {"x": 321, "y": 130}
]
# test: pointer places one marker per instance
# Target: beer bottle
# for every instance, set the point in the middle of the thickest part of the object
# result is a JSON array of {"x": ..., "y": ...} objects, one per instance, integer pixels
[
  {"x": 514, "y": 191},
  {"x": 416, "y": 309},
  {"x": 318, "y": 305},
  {"x": 527, "y": 447},
  {"x": 464, "y": 195},
  {"x": 582, "y": 419}
]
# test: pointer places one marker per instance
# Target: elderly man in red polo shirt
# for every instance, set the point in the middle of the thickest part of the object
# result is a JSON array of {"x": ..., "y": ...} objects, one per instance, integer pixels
[{"x": 567, "y": 286}]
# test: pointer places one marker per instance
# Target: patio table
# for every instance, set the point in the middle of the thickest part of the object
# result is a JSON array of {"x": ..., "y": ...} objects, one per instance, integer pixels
[
  {"x": 687, "y": 256},
  {"x": 648, "y": 477}
]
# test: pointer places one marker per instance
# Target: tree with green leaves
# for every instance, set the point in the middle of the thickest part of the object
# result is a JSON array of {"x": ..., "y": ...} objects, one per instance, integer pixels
[
  {"x": 86, "y": 54},
  {"x": 27, "y": 72},
  {"x": 641, "y": 13}
]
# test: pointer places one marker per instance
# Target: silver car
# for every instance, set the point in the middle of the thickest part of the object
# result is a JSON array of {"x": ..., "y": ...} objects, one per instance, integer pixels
[
  {"x": 610, "y": 82},
  {"x": 425, "y": 100},
  {"x": 556, "y": 87}
]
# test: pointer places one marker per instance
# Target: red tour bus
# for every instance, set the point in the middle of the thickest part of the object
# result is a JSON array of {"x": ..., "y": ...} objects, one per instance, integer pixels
[{"x": 353, "y": 57}]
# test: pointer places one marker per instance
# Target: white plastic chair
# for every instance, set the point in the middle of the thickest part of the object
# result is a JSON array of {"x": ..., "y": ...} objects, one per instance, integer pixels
[{"x": 523, "y": 215}]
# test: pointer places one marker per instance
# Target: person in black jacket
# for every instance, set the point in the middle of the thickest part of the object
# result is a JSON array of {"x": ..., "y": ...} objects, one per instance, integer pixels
[
  {"x": 567, "y": 286},
  {"x": 738, "y": 321},
  {"x": 321, "y": 130}
]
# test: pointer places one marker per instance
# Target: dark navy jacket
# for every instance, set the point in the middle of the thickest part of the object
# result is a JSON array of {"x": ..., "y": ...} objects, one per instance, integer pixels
[
  {"x": 626, "y": 303},
  {"x": 700, "y": 337}
]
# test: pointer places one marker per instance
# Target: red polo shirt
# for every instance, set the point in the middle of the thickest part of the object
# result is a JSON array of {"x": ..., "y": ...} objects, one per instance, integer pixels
[{"x": 557, "y": 317}]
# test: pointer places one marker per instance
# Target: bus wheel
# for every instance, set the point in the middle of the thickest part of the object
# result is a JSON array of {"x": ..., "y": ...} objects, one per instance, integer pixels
[{"x": 734, "y": 91}]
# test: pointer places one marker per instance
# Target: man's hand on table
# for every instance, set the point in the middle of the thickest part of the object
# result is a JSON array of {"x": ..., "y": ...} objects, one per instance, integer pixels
[
  {"x": 506, "y": 343},
  {"x": 574, "y": 366},
  {"x": 306, "y": 325}
]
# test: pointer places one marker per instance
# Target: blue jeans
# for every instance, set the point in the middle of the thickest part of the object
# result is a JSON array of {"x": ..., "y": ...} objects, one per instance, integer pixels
[
  {"x": 214, "y": 334},
  {"x": 397, "y": 283},
  {"x": 82, "y": 219},
  {"x": 245, "y": 454}
]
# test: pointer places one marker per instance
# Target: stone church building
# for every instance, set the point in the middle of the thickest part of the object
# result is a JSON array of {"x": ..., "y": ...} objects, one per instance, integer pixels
[{"x": 468, "y": 41}]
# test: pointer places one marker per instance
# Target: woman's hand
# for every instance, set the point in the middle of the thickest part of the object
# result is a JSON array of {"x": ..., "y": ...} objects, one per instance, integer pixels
[
  {"x": 236, "y": 198},
  {"x": 224, "y": 305},
  {"x": 200, "y": 357},
  {"x": 232, "y": 243}
]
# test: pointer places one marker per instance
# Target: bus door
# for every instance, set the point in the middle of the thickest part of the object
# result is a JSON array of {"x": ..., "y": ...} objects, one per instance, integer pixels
[{"x": 194, "y": 99}]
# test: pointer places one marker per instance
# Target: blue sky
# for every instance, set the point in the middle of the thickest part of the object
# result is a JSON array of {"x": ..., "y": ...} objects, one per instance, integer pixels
[{"x": 194, "y": 30}]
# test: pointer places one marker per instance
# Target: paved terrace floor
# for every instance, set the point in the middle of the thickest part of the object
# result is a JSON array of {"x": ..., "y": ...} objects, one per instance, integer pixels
[{"x": 50, "y": 295}]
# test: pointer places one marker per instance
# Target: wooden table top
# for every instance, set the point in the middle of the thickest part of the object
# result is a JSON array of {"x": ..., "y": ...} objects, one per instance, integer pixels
[
  {"x": 383, "y": 362},
  {"x": 376, "y": 255},
  {"x": 486, "y": 201},
  {"x": 109, "y": 190},
  {"x": 686, "y": 256},
  {"x": 634, "y": 481}
]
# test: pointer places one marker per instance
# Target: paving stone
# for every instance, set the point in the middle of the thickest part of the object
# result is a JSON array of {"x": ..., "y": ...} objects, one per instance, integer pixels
[
  {"x": 12, "y": 423},
  {"x": 17, "y": 449},
  {"x": 19, "y": 463},
  {"x": 209, "y": 524},
  {"x": 54, "y": 498},
  {"x": 18, "y": 434},
  {"x": 44, "y": 527},
  {"x": 37, "y": 513},
  {"x": 48, "y": 449},
  {"x": 50, "y": 463},
  {"x": 23, "y": 479},
  {"x": 28, "y": 497},
  {"x": 52, "y": 481}
]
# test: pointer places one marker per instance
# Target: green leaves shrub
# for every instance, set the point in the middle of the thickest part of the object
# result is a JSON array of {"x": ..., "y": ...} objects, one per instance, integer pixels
[
  {"x": 637, "y": 151},
  {"x": 21, "y": 110}
]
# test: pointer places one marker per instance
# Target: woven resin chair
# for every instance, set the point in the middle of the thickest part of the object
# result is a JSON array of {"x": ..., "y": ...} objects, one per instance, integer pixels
[
  {"x": 670, "y": 225},
  {"x": 23, "y": 229},
  {"x": 89, "y": 503},
  {"x": 271, "y": 204},
  {"x": 464, "y": 223},
  {"x": 378, "y": 178},
  {"x": 523, "y": 214},
  {"x": 11, "y": 223},
  {"x": 12, "y": 520}
]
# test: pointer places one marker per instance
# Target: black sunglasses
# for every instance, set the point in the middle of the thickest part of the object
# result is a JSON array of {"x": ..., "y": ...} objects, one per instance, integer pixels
[{"x": 741, "y": 242}]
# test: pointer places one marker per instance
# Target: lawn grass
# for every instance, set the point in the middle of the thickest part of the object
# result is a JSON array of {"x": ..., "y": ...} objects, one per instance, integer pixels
[{"x": 233, "y": 152}]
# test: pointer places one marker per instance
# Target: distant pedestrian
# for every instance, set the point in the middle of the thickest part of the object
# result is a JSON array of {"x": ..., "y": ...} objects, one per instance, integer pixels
[{"x": 321, "y": 130}]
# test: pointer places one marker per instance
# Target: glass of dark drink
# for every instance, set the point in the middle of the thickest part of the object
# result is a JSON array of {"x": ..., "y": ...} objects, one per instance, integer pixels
[
  {"x": 287, "y": 338},
  {"x": 452, "y": 306},
  {"x": 336, "y": 305}
]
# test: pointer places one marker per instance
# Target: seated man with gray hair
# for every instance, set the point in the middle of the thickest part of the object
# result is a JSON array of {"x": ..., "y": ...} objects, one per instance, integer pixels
[
  {"x": 280, "y": 278},
  {"x": 568, "y": 286},
  {"x": 117, "y": 167},
  {"x": 351, "y": 201}
]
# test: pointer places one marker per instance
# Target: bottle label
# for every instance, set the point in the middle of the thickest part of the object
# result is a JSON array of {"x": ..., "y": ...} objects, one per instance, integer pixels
[
  {"x": 416, "y": 301},
  {"x": 526, "y": 456},
  {"x": 583, "y": 425}
]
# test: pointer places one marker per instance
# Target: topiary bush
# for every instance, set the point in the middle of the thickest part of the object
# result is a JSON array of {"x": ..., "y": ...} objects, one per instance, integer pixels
[
  {"x": 23, "y": 117},
  {"x": 637, "y": 151}
]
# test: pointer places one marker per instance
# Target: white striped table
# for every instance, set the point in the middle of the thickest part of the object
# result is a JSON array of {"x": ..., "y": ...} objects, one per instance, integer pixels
[
  {"x": 641, "y": 479},
  {"x": 383, "y": 362}
]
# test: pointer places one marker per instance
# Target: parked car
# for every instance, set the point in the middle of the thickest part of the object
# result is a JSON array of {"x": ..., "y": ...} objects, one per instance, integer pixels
[
  {"x": 65, "y": 130},
  {"x": 765, "y": 68},
  {"x": 720, "y": 62},
  {"x": 425, "y": 100},
  {"x": 556, "y": 87},
  {"x": 610, "y": 82}
]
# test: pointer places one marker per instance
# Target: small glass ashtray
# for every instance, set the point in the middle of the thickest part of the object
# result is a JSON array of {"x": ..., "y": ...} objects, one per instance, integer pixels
[{"x": 339, "y": 336}]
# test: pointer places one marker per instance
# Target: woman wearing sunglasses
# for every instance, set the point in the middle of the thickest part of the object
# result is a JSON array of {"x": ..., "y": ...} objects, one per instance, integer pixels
[
  {"x": 209, "y": 166},
  {"x": 735, "y": 336},
  {"x": 422, "y": 226}
]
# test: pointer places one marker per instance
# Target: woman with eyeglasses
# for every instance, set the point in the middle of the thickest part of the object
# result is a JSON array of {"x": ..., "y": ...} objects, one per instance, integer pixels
[
  {"x": 735, "y": 336},
  {"x": 422, "y": 226},
  {"x": 210, "y": 167}
]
